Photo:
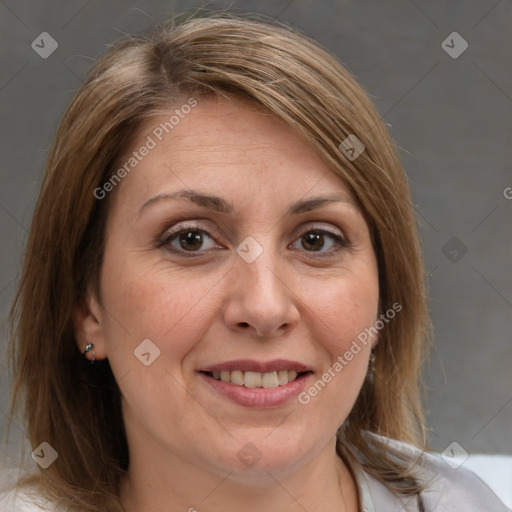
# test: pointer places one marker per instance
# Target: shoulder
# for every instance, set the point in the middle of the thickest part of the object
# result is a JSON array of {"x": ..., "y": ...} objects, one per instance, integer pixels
[
  {"x": 448, "y": 486},
  {"x": 21, "y": 498}
]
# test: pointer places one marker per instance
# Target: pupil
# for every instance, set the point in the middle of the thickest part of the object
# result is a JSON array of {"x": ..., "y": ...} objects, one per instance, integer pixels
[
  {"x": 313, "y": 241},
  {"x": 192, "y": 239}
]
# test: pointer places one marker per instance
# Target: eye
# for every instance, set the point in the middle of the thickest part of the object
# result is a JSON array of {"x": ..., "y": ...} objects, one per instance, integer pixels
[
  {"x": 189, "y": 239},
  {"x": 320, "y": 240}
]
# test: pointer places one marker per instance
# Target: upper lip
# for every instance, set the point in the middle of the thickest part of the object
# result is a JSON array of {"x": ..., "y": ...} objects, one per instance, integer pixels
[{"x": 250, "y": 365}]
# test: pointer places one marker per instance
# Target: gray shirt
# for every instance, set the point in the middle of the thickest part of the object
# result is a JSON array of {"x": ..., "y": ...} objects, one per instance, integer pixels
[{"x": 446, "y": 489}]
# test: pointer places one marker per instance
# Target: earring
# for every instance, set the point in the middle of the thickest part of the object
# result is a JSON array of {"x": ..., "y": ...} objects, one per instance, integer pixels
[
  {"x": 88, "y": 348},
  {"x": 371, "y": 366}
]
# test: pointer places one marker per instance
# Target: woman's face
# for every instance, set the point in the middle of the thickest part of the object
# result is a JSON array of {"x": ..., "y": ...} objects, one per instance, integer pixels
[{"x": 223, "y": 254}]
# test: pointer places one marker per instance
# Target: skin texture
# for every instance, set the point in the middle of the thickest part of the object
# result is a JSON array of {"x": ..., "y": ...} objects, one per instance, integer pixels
[{"x": 293, "y": 302}]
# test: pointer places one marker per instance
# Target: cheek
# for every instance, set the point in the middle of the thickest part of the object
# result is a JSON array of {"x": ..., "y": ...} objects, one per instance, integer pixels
[
  {"x": 342, "y": 308},
  {"x": 161, "y": 305},
  {"x": 343, "y": 312},
  {"x": 171, "y": 311}
]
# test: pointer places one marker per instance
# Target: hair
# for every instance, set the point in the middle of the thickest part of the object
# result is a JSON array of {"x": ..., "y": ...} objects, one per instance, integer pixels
[{"x": 75, "y": 406}]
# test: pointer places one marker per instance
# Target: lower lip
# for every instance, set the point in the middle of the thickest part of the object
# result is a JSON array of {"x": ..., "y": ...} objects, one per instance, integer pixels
[{"x": 258, "y": 397}]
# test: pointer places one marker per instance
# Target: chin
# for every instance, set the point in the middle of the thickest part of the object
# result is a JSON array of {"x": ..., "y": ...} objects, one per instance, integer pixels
[{"x": 252, "y": 457}]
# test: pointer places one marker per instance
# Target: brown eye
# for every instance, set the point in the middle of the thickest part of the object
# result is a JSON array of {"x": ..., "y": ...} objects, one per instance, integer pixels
[
  {"x": 189, "y": 240},
  {"x": 313, "y": 241},
  {"x": 320, "y": 241}
]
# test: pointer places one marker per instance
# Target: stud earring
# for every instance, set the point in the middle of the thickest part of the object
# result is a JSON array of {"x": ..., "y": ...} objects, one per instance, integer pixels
[{"x": 89, "y": 348}]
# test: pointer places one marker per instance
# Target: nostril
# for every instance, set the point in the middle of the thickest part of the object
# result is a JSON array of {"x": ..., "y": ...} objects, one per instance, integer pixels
[{"x": 244, "y": 324}]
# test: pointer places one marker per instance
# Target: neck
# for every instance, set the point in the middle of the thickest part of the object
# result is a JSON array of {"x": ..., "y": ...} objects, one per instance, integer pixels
[{"x": 157, "y": 483}]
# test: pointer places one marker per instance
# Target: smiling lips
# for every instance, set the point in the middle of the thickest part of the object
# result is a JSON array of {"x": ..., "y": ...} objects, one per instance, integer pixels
[{"x": 254, "y": 374}]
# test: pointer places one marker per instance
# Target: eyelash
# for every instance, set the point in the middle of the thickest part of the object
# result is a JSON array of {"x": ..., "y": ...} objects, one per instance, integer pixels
[{"x": 340, "y": 242}]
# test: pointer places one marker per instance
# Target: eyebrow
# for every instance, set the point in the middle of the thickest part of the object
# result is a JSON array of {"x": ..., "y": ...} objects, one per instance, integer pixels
[{"x": 222, "y": 206}]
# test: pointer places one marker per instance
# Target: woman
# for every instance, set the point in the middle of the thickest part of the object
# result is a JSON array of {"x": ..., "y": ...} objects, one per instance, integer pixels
[{"x": 225, "y": 232}]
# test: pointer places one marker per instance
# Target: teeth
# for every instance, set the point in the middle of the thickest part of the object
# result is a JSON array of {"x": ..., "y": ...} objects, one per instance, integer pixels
[
  {"x": 256, "y": 379},
  {"x": 269, "y": 380},
  {"x": 252, "y": 379},
  {"x": 237, "y": 378},
  {"x": 282, "y": 377}
]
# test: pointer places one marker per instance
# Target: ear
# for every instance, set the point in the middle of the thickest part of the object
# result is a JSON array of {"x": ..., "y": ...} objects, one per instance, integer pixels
[
  {"x": 379, "y": 318},
  {"x": 375, "y": 341},
  {"x": 88, "y": 320}
]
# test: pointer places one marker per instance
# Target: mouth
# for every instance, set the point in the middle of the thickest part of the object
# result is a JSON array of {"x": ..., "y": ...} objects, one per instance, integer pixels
[{"x": 257, "y": 384}]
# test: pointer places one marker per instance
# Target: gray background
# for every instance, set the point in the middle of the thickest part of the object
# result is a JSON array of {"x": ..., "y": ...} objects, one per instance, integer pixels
[{"x": 452, "y": 118}]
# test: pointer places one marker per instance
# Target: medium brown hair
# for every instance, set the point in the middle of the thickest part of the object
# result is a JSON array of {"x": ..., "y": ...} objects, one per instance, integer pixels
[{"x": 75, "y": 406}]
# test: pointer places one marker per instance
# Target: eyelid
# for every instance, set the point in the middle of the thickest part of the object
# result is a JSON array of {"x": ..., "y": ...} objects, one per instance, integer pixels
[
  {"x": 315, "y": 226},
  {"x": 182, "y": 225}
]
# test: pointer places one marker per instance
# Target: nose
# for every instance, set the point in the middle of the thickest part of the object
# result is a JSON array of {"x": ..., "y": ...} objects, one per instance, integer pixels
[{"x": 261, "y": 298}]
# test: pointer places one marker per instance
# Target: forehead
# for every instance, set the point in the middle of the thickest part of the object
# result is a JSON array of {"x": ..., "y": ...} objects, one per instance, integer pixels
[{"x": 228, "y": 146}]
